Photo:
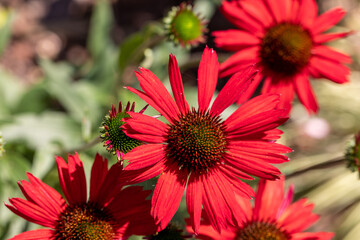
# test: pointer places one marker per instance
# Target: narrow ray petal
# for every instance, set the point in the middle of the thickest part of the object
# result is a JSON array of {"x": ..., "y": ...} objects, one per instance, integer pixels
[
  {"x": 193, "y": 201},
  {"x": 336, "y": 72},
  {"x": 305, "y": 93},
  {"x": 327, "y": 20},
  {"x": 235, "y": 40},
  {"x": 38, "y": 234},
  {"x": 145, "y": 156}
]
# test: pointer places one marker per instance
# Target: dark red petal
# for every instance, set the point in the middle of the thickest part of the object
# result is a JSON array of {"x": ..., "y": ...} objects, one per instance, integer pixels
[
  {"x": 77, "y": 179},
  {"x": 327, "y": 20},
  {"x": 144, "y": 156},
  {"x": 145, "y": 128},
  {"x": 207, "y": 78},
  {"x": 193, "y": 201},
  {"x": 177, "y": 85},
  {"x": 305, "y": 93},
  {"x": 268, "y": 200},
  {"x": 167, "y": 195},
  {"x": 38, "y": 234},
  {"x": 99, "y": 171},
  {"x": 234, "y": 40},
  {"x": 234, "y": 88}
]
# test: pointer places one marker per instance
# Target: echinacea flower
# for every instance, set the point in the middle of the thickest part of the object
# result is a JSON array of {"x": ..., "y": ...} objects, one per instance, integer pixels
[
  {"x": 272, "y": 217},
  {"x": 184, "y": 26},
  {"x": 198, "y": 149},
  {"x": 114, "y": 138},
  {"x": 286, "y": 38},
  {"x": 110, "y": 212}
]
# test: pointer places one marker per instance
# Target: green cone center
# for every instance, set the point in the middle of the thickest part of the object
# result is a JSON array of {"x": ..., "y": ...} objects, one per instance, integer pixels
[
  {"x": 118, "y": 139},
  {"x": 186, "y": 26},
  {"x": 84, "y": 222},
  {"x": 261, "y": 231},
  {"x": 196, "y": 142},
  {"x": 286, "y": 49}
]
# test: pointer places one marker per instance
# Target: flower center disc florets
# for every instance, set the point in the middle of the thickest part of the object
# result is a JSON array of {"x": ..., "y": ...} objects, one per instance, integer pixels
[
  {"x": 286, "y": 49},
  {"x": 197, "y": 141},
  {"x": 83, "y": 222},
  {"x": 114, "y": 135},
  {"x": 261, "y": 231}
]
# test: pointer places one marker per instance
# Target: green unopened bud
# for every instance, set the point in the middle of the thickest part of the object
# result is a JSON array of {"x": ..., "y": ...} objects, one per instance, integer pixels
[
  {"x": 184, "y": 26},
  {"x": 352, "y": 154}
]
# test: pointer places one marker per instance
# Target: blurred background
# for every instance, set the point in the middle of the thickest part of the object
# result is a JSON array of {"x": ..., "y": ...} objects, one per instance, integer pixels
[{"x": 64, "y": 62}]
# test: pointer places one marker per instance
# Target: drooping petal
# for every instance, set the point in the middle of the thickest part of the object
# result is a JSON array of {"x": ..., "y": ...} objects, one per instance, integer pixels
[
  {"x": 145, "y": 128},
  {"x": 38, "y": 234},
  {"x": 193, "y": 201},
  {"x": 234, "y": 40},
  {"x": 282, "y": 86},
  {"x": 305, "y": 92},
  {"x": 177, "y": 85},
  {"x": 327, "y": 20},
  {"x": 234, "y": 88},
  {"x": 334, "y": 71},
  {"x": 268, "y": 199},
  {"x": 167, "y": 195},
  {"x": 144, "y": 156},
  {"x": 207, "y": 78}
]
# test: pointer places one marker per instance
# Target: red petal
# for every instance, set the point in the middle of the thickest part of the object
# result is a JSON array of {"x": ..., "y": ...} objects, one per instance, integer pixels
[
  {"x": 239, "y": 61},
  {"x": 307, "y": 13},
  {"x": 207, "y": 77},
  {"x": 136, "y": 176},
  {"x": 277, "y": 8},
  {"x": 327, "y": 20},
  {"x": 331, "y": 54},
  {"x": 305, "y": 93},
  {"x": 254, "y": 106},
  {"x": 312, "y": 235},
  {"x": 334, "y": 71},
  {"x": 43, "y": 195},
  {"x": 145, "y": 128},
  {"x": 145, "y": 156},
  {"x": 269, "y": 197},
  {"x": 282, "y": 86},
  {"x": 177, "y": 85},
  {"x": 32, "y": 212},
  {"x": 258, "y": 11},
  {"x": 38, "y": 234},
  {"x": 167, "y": 195},
  {"x": 157, "y": 93},
  {"x": 194, "y": 202},
  {"x": 234, "y": 88},
  {"x": 250, "y": 91},
  {"x": 234, "y": 40},
  {"x": 99, "y": 171},
  {"x": 322, "y": 38}
]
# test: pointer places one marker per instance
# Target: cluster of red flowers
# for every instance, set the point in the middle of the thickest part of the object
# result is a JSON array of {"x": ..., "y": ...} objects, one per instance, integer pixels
[{"x": 197, "y": 150}]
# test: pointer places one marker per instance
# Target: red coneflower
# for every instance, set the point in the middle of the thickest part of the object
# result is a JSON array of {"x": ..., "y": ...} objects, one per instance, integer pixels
[
  {"x": 200, "y": 150},
  {"x": 273, "y": 217},
  {"x": 114, "y": 138},
  {"x": 286, "y": 38},
  {"x": 110, "y": 213}
]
